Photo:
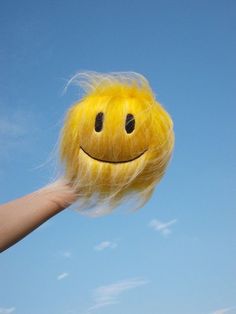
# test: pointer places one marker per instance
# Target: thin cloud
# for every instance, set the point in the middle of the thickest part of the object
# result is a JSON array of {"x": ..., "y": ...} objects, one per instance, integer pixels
[
  {"x": 162, "y": 227},
  {"x": 45, "y": 225},
  {"x": 11, "y": 128},
  {"x": 16, "y": 129},
  {"x": 223, "y": 311},
  {"x": 7, "y": 310},
  {"x": 12, "y": 133},
  {"x": 67, "y": 254},
  {"x": 105, "y": 245},
  {"x": 109, "y": 294},
  {"x": 62, "y": 276}
]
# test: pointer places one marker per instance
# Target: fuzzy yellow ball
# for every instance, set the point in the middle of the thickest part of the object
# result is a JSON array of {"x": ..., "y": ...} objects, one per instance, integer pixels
[{"x": 116, "y": 141}]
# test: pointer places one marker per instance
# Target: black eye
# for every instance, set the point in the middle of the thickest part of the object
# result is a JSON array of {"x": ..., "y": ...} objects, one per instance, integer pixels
[
  {"x": 99, "y": 122},
  {"x": 129, "y": 123}
]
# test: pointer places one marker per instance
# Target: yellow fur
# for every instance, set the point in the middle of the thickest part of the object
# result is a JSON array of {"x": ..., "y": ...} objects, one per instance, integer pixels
[{"x": 102, "y": 165}]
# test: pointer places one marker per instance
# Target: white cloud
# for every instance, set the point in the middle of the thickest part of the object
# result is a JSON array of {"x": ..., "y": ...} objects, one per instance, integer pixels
[
  {"x": 7, "y": 311},
  {"x": 105, "y": 245},
  {"x": 162, "y": 227},
  {"x": 109, "y": 294},
  {"x": 223, "y": 311},
  {"x": 45, "y": 225},
  {"x": 16, "y": 129},
  {"x": 11, "y": 134},
  {"x": 67, "y": 254},
  {"x": 62, "y": 276},
  {"x": 11, "y": 128}
]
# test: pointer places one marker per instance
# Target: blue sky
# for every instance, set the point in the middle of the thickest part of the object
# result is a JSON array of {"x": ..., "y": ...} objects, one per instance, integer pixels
[{"x": 177, "y": 254}]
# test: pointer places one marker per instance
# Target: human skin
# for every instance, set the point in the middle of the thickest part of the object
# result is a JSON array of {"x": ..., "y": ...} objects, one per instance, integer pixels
[{"x": 21, "y": 216}]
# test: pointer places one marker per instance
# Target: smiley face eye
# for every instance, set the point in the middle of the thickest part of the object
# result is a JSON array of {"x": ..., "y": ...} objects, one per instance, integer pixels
[
  {"x": 99, "y": 122},
  {"x": 129, "y": 123}
]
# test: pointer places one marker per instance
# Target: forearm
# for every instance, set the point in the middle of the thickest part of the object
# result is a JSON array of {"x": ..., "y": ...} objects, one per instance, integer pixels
[{"x": 21, "y": 216}]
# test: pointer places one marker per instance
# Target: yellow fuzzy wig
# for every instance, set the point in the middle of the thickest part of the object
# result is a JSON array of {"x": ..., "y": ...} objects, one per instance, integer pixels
[{"x": 116, "y": 141}]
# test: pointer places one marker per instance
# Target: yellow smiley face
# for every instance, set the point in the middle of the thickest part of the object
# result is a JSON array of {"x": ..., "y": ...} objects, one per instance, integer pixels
[{"x": 116, "y": 142}]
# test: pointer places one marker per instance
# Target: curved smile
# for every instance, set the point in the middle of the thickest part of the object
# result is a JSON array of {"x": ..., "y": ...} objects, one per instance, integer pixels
[{"x": 113, "y": 162}]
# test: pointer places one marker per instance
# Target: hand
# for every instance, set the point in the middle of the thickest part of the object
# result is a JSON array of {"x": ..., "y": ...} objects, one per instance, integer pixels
[{"x": 21, "y": 216}]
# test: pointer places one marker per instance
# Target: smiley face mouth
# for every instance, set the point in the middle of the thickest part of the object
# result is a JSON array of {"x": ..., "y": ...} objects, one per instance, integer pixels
[{"x": 113, "y": 162}]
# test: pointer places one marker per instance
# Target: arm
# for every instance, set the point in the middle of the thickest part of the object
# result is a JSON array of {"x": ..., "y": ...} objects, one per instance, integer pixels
[{"x": 21, "y": 216}]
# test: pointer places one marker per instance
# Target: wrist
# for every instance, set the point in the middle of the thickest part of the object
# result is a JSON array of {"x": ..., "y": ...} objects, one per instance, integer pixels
[{"x": 60, "y": 194}]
